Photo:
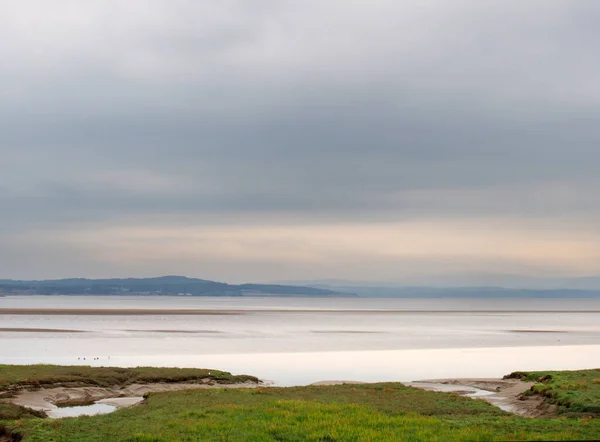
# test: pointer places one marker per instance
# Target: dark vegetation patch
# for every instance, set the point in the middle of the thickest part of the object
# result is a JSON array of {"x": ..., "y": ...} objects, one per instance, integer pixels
[
  {"x": 7, "y": 435},
  {"x": 39, "y": 330},
  {"x": 14, "y": 377},
  {"x": 10, "y": 412},
  {"x": 80, "y": 402}
]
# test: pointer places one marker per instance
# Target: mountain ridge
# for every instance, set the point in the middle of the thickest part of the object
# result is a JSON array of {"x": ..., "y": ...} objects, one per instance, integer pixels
[{"x": 161, "y": 285}]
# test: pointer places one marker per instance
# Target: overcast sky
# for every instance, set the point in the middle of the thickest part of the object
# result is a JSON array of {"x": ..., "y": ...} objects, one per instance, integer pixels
[{"x": 274, "y": 139}]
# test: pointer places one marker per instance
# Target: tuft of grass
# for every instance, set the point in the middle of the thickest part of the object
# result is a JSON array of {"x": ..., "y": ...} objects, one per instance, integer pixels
[
  {"x": 576, "y": 393},
  {"x": 9, "y": 412}
]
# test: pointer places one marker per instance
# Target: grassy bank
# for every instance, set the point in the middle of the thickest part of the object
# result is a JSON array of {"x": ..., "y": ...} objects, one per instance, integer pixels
[
  {"x": 575, "y": 393},
  {"x": 27, "y": 376},
  {"x": 330, "y": 413},
  {"x": 373, "y": 412}
]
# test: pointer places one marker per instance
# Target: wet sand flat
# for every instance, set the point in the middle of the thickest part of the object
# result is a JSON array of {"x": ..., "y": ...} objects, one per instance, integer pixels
[
  {"x": 537, "y": 331},
  {"x": 176, "y": 331},
  {"x": 115, "y": 311},
  {"x": 39, "y": 330},
  {"x": 196, "y": 312}
]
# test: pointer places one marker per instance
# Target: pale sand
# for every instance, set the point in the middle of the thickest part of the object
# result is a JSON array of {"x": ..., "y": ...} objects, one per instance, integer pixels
[{"x": 138, "y": 312}]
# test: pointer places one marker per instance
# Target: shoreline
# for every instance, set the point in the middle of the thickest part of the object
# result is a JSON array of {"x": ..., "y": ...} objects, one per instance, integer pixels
[{"x": 234, "y": 312}]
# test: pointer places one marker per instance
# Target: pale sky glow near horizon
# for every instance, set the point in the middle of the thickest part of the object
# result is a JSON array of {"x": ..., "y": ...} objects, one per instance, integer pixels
[{"x": 290, "y": 140}]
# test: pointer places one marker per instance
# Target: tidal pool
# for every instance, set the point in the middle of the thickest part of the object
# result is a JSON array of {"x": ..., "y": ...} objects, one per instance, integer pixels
[{"x": 81, "y": 410}]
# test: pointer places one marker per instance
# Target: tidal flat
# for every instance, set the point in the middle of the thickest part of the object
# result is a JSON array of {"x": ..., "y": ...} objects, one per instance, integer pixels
[{"x": 299, "y": 341}]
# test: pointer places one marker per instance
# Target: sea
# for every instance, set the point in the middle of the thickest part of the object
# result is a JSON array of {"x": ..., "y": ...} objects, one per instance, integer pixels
[{"x": 299, "y": 341}]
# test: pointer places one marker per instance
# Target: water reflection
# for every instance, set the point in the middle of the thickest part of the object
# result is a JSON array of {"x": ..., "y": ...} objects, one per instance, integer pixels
[
  {"x": 83, "y": 410},
  {"x": 287, "y": 369}
]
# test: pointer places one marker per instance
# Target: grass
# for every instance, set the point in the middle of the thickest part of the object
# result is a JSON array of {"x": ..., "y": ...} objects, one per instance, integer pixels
[
  {"x": 10, "y": 412},
  {"x": 365, "y": 412},
  {"x": 20, "y": 376},
  {"x": 576, "y": 393},
  {"x": 369, "y": 412}
]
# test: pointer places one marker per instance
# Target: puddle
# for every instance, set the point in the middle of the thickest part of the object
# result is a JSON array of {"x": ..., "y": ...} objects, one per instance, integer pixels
[
  {"x": 480, "y": 393},
  {"x": 83, "y": 410}
]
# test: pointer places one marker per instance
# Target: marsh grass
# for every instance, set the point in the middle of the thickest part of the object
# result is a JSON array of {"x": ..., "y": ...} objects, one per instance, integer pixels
[
  {"x": 576, "y": 393},
  {"x": 369, "y": 412},
  {"x": 14, "y": 412},
  {"x": 32, "y": 376}
]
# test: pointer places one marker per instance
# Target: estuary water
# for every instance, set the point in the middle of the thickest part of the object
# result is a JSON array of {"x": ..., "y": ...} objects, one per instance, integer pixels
[{"x": 297, "y": 341}]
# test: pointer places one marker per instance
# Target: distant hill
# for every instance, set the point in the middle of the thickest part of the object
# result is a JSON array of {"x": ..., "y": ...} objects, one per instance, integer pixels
[
  {"x": 474, "y": 280},
  {"x": 164, "y": 285},
  {"x": 182, "y": 286},
  {"x": 461, "y": 292}
]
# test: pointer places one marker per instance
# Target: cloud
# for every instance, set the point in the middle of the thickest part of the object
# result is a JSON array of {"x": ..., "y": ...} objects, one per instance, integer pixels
[{"x": 203, "y": 114}]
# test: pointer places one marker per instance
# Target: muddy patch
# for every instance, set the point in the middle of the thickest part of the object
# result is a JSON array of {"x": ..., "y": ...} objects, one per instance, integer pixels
[
  {"x": 506, "y": 394},
  {"x": 71, "y": 401}
]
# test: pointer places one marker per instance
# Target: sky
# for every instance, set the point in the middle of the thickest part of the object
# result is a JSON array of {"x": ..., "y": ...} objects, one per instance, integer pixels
[{"x": 279, "y": 140}]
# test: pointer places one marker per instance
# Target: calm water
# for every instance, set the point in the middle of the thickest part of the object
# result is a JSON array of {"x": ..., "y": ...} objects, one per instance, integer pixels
[
  {"x": 84, "y": 410},
  {"x": 369, "y": 340}
]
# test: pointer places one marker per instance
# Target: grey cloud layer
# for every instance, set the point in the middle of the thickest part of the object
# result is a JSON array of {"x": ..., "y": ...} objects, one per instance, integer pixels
[{"x": 319, "y": 110}]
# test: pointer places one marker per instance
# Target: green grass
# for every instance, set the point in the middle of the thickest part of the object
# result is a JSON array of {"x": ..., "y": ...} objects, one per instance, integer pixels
[
  {"x": 369, "y": 412},
  {"x": 574, "y": 392},
  {"x": 18, "y": 376},
  {"x": 366, "y": 412},
  {"x": 9, "y": 412}
]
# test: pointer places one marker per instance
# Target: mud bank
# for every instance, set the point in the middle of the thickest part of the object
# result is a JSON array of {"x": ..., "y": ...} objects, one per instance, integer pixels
[
  {"x": 505, "y": 394},
  {"x": 52, "y": 400}
]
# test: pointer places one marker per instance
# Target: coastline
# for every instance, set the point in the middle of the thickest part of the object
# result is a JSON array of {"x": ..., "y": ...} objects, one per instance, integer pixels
[{"x": 249, "y": 311}]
